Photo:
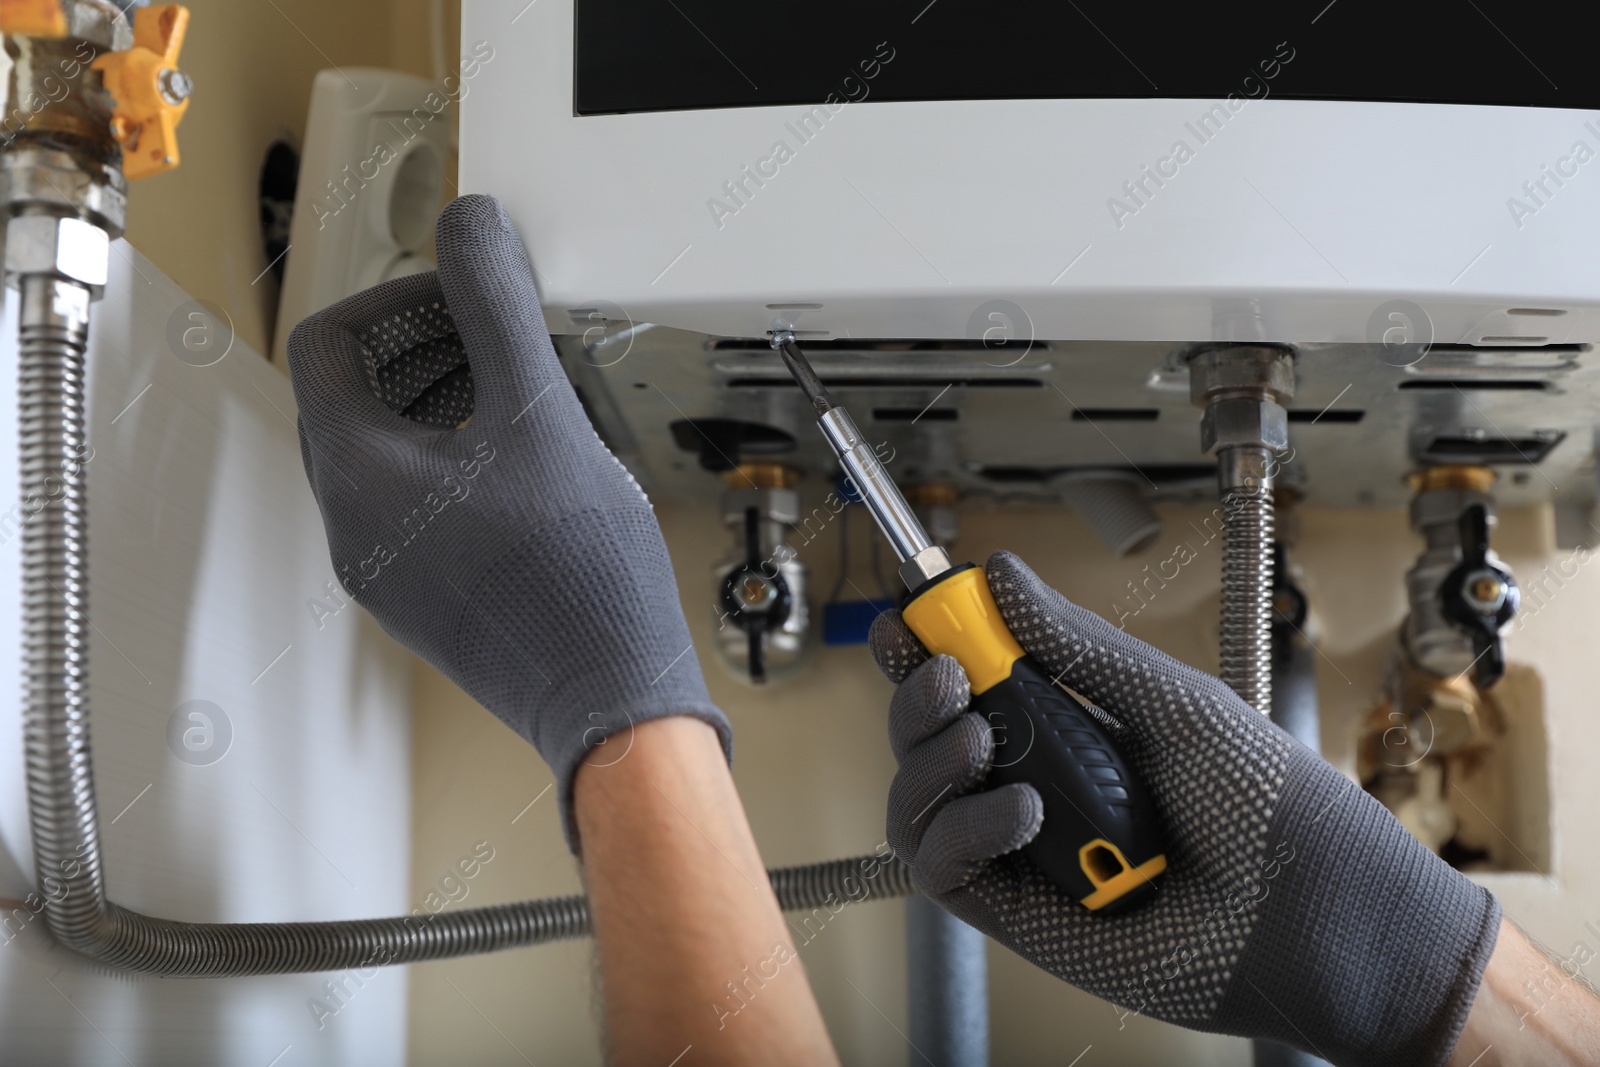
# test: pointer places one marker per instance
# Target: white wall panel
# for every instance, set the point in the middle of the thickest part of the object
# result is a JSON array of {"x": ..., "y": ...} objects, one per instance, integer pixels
[{"x": 206, "y": 546}]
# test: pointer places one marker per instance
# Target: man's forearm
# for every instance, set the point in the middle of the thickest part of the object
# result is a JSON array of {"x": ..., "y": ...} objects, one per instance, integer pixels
[
  {"x": 694, "y": 952},
  {"x": 1529, "y": 1011}
]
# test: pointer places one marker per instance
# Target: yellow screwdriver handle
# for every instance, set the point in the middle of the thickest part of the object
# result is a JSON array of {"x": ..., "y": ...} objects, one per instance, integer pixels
[{"x": 1101, "y": 838}]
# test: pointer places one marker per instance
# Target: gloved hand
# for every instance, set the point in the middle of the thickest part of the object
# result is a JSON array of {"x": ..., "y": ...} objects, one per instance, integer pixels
[
  {"x": 1294, "y": 908},
  {"x": 514, "y": 553}
]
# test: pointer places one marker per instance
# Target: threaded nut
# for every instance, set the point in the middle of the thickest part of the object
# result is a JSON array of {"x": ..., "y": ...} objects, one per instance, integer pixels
[
  {"x": 1264, "y": 371},
  {"x": 66, "y": 248},
  {"x": 1244, "y": 421}
]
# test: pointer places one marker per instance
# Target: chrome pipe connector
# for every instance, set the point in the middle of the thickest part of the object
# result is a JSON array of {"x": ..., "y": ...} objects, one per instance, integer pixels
[{"x": 1243, "y": 389}]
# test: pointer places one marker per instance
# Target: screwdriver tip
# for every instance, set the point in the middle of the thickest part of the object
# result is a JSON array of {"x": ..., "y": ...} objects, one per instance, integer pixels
[{"x": 800, "y": 369}]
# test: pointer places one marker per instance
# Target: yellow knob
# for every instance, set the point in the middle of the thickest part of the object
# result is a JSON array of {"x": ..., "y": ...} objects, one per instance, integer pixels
[
  {"x": 148, "y": 91},
  {"x": 33, "y": 18}
]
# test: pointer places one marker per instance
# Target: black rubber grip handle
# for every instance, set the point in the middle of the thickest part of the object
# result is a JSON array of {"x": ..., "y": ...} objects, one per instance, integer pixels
[{"x": 1092, "y": 796}]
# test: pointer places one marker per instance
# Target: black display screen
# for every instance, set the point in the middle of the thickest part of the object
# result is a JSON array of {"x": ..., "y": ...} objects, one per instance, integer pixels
[{"x": 673, "y": 55}]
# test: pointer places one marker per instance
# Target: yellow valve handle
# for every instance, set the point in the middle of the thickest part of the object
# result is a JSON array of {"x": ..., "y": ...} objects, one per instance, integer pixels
[
  {"x": 33, "y": 18},
  {"x": 149, "y": 92}
]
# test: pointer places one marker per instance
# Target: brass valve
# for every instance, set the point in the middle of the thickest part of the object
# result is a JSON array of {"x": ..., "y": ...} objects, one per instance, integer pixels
[{"x": 149, "y": 92}]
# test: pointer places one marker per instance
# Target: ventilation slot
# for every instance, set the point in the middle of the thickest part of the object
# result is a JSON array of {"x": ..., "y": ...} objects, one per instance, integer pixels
[
  {"x": 1016, "y": 475},
  {"x": 1348, "y": 416},
  {"x": 1490, "y": 450},
  {"x": 724, "y": 443},
  {"x": 853, "y": 344},
  {"x": 915, "y": 414},
  {"x": 1506, "y": 385},
  {"x": 841, "y": 384},
  {"x": 1499, "y": 348},
  {"x": 1115, "y": 414},
  {"x": 1162, "y": 474}
]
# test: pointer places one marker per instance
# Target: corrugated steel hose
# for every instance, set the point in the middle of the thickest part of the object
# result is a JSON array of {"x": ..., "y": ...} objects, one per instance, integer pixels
[
  {"x": 1249, "y": 521},
  {"x": 1243, "y": 388},
  {"x": 54, "y": 318}
]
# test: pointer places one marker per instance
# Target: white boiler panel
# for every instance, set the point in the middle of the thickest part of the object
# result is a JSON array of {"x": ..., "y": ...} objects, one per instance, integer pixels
[{"x": 1163, "y": 219}]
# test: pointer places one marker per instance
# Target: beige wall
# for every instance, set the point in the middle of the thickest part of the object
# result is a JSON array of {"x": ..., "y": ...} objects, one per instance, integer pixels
[
  {"x": 252, "y": 64},
  {"x": 813, "y": 768}
]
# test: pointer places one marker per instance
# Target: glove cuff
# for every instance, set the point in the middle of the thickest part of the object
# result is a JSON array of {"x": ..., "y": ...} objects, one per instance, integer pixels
[{"x": 1368, "y": 948}]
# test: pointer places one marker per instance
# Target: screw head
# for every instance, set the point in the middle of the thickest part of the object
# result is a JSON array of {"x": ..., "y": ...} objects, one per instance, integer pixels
[
  {"x": 1485, "y": 591},
  {"x": 175, "y": 85},
  {"x": 755, "y": 593}
]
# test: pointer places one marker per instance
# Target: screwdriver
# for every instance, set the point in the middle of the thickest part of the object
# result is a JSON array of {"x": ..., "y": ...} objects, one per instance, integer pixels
[{"x": 1100, "y": 841}]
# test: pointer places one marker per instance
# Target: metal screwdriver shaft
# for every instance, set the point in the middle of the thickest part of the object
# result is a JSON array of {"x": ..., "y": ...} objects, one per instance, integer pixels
[{"x": 920, "y": 559}]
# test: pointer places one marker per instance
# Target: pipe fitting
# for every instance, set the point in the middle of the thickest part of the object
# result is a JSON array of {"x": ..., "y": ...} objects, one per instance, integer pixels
[
  {"x": 100, "y": 22},
  {"x": 1243, "y": 389},
  {"x": 1217, "y": 372},
  {"x": 67, "y": 249},
  {"x": 1239, "y": 421},
  {"x": 1433, "y": 642},
  {"x": 1248, "y": 468},
  {"x": 58, "y": 98},
  {"x": 761, "y": 617},
  {"x": 39, "y": 180},
  {"x": 61, "y": 157}
]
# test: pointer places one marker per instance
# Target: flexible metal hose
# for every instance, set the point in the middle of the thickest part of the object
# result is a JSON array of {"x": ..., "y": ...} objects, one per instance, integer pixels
[
  {"x": 54, "y": 317},
  {"x": 1247, "y": 533},
  {"x": 54, "y": 331},
  {"x": 222, "y": 950}
]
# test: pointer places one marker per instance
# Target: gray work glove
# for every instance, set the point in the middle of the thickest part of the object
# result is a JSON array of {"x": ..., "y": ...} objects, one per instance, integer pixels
[
  {"x": 513, "y": 553},
  {"x": 1295, "y": 907}
]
